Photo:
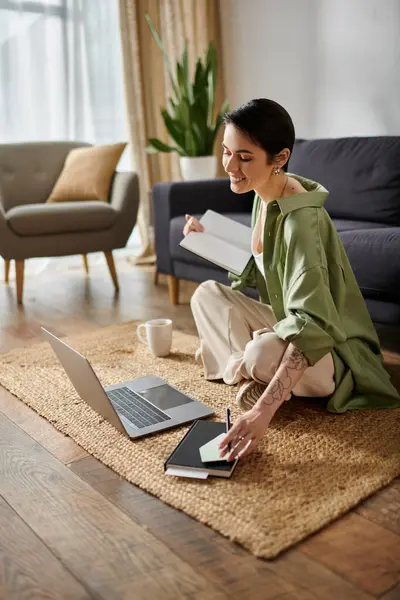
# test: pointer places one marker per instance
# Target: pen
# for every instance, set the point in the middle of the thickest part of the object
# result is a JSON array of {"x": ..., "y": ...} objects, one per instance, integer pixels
[{"x": 228, "y": 424}]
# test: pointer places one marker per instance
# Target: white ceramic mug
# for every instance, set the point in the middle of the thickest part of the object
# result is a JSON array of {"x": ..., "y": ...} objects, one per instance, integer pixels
[{"x": 158, "y": 334}]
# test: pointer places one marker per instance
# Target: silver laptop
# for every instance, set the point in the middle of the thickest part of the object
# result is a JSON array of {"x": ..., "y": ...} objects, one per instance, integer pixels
[{"x": 136, "y": 408}]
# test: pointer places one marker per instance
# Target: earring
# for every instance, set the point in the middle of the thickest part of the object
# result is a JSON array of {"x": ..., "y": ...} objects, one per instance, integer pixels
[{"x": 277, "y": 171}]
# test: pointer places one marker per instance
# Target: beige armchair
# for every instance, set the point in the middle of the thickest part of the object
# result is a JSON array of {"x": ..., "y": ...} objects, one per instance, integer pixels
[{"x": 29, "y": 227}]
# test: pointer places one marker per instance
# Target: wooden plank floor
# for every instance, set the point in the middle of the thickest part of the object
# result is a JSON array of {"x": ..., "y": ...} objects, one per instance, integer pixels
[{"x": 70, "y": 528}]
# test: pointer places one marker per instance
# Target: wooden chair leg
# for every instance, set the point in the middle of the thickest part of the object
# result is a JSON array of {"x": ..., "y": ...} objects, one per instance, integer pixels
[
  {"x": 85, "y": 263},
  {"x": 173, "y": 286},
  {"x": 111, "y": 267},
  {"x": 6, "y": 270},
  {"x": 156, "y": 274},
  {"x": 19, "y": 272}
]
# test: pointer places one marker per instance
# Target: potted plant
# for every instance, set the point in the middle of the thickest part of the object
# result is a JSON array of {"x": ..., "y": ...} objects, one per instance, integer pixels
[{"x": 190, "y": 117}]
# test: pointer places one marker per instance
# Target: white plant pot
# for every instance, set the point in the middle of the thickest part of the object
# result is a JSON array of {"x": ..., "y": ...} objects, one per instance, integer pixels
[{"x": 198, "y": 167}]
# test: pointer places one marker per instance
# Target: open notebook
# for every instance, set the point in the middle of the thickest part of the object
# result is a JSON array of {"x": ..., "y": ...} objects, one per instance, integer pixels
[{"x": 223, "y": 242}]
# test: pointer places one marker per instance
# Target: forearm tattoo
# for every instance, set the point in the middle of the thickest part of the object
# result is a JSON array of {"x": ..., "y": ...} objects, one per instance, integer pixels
[{"x": 285, "y": 378}]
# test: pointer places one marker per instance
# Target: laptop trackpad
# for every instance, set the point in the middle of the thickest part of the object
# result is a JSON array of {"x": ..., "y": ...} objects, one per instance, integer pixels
[{"x": 165, "y": 396}]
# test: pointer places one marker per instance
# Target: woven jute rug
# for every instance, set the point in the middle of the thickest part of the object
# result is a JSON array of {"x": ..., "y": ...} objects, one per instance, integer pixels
[{"x": 311, "y": 467}]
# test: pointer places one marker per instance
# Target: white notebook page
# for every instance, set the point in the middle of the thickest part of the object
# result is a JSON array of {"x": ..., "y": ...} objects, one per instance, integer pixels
[
  {"x": 223, "y": 242},
  {"x": 234, "y": 233},
  {"x": 217, "y": 251}
]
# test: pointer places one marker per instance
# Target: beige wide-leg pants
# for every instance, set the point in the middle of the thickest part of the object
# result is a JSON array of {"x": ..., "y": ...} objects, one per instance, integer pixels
[{"x": 237, "y": 341}]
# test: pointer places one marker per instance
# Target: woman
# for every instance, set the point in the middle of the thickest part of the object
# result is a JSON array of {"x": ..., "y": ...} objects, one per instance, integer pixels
[{"x": 311, "y": 333}]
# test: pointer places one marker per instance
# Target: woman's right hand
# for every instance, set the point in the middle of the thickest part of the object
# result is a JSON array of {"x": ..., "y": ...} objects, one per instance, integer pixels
[{"x": 192, "y": 224}]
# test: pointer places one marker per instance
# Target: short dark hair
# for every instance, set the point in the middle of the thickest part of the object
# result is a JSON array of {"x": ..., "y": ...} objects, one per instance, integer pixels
[{"x": 266, "y": 123}]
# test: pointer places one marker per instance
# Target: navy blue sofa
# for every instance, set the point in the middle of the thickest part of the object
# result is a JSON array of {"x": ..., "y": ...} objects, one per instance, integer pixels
[{"x": 363, "y": 178}]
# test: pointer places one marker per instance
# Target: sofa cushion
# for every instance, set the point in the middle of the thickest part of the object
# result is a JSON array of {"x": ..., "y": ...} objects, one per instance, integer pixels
[
  {"x": 374, "y": 257},
  {"x": 349, "y": 225},
  {"x": 387, "y": 313},
  {"x": 87, "y": 174},
  {"x": 68, "y": 217},
  {"x": 361, "y": 174},
  {"x": 176, "y": 226}
]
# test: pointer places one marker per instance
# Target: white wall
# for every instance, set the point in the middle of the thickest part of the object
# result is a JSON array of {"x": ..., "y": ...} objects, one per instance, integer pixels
[{"x": 333, "y": 64}]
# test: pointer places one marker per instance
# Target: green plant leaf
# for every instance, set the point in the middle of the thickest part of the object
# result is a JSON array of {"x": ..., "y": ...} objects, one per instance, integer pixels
[
  {"x": 189, "y": 117},
  {"x": 201, "y": 128},
  {"x": 212, "y": 70},
  {"x": 186, "y": 73},
  {"x": 199, "y": 110},
  {"x": 180, "y": 76},
  {"x": 211, "y": 98},
  {"x": 190, "y": 143},
  {"x": 185, "y": 113},
  {"x": 201, "y": 137},
  {"x": 166, "y": 58},
  {"x": 175, "y": 130},
  {"x": 198, "y": 78},
  {"x": 157, "y": 145},
  {"x": 211, "y": 57},
  {"x": 172, "y": 107},
  {"x": 175, "y": 123}
]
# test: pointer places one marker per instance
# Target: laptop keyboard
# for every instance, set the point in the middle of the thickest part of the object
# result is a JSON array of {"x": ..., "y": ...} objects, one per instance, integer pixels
[{"x": 135, "y": 408}]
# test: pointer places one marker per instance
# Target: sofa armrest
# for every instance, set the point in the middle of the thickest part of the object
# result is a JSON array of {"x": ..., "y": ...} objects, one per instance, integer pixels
[
  {"x": 6, "y": 236},
  {"x": 175, "y": 199},
  {"x": 198, "y": 196},
  {"x": 124, "y": 199}
]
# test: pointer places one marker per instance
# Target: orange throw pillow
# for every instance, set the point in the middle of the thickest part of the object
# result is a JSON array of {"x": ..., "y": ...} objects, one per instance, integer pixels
[{"x": 87, "y": 173}]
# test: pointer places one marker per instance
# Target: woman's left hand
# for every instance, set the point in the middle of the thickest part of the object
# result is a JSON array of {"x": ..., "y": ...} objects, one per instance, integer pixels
[{"x": 249, "y": 427}]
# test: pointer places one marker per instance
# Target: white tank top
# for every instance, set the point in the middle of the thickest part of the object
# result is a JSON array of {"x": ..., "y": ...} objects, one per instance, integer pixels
[
  {"x": 259, "y": 262},
  {"x": 258, "y": 257}
]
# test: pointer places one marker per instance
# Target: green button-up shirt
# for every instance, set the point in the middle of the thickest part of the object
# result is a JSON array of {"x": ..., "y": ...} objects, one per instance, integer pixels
[{"x": 318, "y": 305}]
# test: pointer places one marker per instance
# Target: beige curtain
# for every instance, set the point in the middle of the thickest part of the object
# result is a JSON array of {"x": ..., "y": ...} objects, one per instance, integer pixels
[{"x": 147, "y": 86}]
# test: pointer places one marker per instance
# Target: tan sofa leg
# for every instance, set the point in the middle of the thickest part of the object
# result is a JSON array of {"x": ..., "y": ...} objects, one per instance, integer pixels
[
  {"x": 173, "y": 286},
  {"x": 85, "y": 263},
  {"x": 111, "y": 267},
  {"x": 6, "y": 270},
  {"x": 19, "y": 272}
]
